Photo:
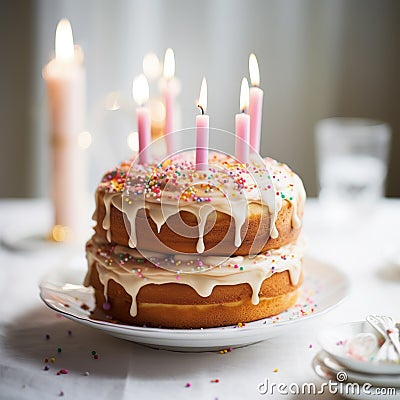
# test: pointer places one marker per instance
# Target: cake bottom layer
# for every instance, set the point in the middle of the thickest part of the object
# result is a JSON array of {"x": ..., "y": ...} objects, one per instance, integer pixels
[
  {"x": 192, "y": 292},
  {"x": 227, "y": 305}
]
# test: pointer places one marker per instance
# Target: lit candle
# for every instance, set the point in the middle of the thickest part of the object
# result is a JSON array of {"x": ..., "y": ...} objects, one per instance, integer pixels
[
  {"x": 140, "y": 91},
  {"x": 242, "y": 125},
  {"x": 65, "y": 79},
  {"x": 256, "y": 104},
  {"x": 169, "y": 98},
  {"x": 202, "y": 128}
]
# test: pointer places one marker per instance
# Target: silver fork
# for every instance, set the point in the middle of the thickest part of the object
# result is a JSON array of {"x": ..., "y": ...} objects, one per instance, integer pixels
[
  {"x": 390, "y": 350},
  {"x": 391, "y": 331}
]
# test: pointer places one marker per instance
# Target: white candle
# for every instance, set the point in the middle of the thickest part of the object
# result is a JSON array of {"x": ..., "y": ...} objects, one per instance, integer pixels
[
  {"x": 242, "y": 125},
  {"x": 202, "y": 130},
  {"x": 256, "y": 104},
  {"x": 169, "y": 99},
  {"x": 140, "y": 91},
  {"x": 65, "y": 80}
]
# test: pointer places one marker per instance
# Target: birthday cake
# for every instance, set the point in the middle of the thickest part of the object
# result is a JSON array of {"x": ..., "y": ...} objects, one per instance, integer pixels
[{"x": 180, "y": 248}]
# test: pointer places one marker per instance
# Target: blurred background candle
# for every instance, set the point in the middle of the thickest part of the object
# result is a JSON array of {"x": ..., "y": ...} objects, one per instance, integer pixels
[
  {"x": 169, "y": 98},
  {"x": 202, "y": 129},
  {"x": 256, "y": 104},
  {"x": 140, "y": 91},
  {"x": 152, "y": 70},
  {"x": 242, "y": 125},
  {"x": 65, "y": 80}
]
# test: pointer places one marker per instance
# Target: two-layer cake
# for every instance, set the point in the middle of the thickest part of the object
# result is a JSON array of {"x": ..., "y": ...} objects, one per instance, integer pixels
[{"x": 181, "y": 248}]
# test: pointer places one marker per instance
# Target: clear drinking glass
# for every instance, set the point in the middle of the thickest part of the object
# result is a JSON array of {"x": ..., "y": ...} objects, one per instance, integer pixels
[{"x": 352, "y": 158}]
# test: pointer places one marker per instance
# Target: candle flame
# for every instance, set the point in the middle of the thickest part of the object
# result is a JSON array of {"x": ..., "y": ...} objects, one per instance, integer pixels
[
  {"x": 202, "y": 103},
  {"x": 254, "y": 70},
  {"x": 151, "y": 66},
  {"x": 60, "y": 233},
  {"x": 169, "y": 64},
  {"x": 244, "y": 95},
  {"x": 64, "y": 41},
  {"x": 140, "y": 89}
]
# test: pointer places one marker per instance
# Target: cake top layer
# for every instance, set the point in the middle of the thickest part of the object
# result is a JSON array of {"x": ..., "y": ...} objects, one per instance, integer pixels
[{"x": 226, "y": 186}]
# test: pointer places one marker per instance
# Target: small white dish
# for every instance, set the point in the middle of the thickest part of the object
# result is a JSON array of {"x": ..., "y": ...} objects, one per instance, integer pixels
[
  {"x": 324, "y": 287},
  {"x": 333, "y": 341},
  {"x": 326, "y": 367}
]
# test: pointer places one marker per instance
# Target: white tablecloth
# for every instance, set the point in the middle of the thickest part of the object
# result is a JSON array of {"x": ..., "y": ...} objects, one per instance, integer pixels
[{"x": 125, "y": 370}]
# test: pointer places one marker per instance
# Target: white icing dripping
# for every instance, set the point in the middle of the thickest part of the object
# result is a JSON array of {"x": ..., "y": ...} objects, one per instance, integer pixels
[
  {"x": 239, "y": 214},
  {"x": 300, "y": 199},
  {"x": 296, "y": 222},
  {"x": 131, "y": 211},
  {"x": 160, "y": 214},
  {"x": 278, "y": 206},
  {"x": 202, "y": 216},
  {"x": 108, "y": 199}
]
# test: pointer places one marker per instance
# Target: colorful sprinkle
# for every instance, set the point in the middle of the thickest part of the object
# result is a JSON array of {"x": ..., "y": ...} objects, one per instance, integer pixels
[
  {"x": 224, "y": 351},
  {"x": 62, "y": 372}
]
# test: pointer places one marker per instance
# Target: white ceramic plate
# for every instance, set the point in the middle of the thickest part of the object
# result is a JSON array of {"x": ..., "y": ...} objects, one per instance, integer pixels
[
  {"x": 327, "y": 368},
  {"x": 324, "y": 287},
  {"x": 332, "y": 339}
]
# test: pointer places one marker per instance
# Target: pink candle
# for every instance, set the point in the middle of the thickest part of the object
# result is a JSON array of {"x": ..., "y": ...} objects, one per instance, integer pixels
[
  {"x": 140, "y": 91},
  {"x": 202, "y": 130},
  {"x": 256, "y": 104},
  {"x": 65, "y": 79},
  {"x": 242, "y": 126},
  {"x": 169, "y": 99}
]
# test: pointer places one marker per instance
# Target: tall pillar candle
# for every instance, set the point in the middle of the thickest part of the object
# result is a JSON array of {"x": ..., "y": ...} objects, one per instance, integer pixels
[
  {"x": 140, "y": 92},
  {"x": 255, "y": 105},
  {"x": 202, "y": 130},
  {"x": 169, "y": 99},
  {"x": 65, "y": 79},
  {"x": 242, "y": 126}
]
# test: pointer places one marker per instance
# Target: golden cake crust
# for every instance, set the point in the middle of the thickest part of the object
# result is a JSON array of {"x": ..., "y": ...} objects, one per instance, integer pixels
[{"x": 175, "y": 305}]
